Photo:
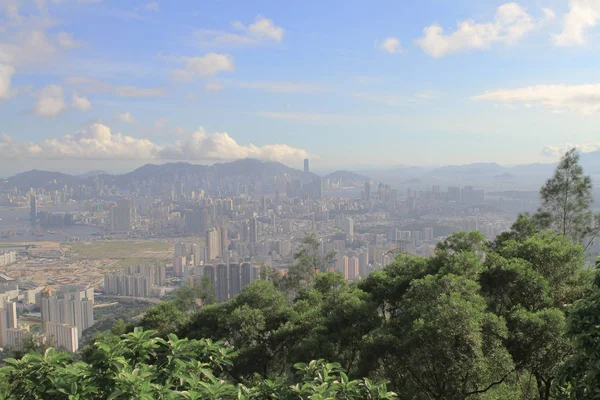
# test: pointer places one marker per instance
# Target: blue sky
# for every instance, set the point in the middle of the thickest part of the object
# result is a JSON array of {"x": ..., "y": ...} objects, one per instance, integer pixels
[{"x": 107, "y": 84}]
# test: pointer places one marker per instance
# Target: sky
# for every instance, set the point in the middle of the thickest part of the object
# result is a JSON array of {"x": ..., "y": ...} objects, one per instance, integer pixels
[{"x": 112, "y": 85}]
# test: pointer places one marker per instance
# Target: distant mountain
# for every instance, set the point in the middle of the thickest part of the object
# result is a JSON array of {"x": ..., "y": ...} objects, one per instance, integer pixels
[
  {"x": 346, "y": 175},
  {"x": 170, "y": 172},
  {"x": 45, "y": 179},
  {"x": 488, "y": 176},
  {"x": 470, "y": 169},
  {"x": 93, "y": 174}
]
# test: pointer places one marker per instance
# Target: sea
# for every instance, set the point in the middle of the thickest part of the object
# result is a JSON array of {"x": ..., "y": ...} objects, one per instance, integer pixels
[{"x": 16, "y": 220}]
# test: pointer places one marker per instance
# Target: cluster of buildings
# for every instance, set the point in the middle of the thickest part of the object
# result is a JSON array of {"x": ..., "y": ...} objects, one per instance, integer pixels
[
  {"x": 137, "y": 281},
  {"x": 65, "y": 314}
]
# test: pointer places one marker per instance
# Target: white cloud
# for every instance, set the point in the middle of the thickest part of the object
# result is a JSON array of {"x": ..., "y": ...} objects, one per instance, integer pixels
[
  {"x": 208, "y": 65},
  {"x": 279, "y": 87},
  {"x": 390, "y": 45},
  {"x": 582, "y": 15},
  {"x": 28, "y": 48},
  {"x": 50, "y": 101},
  {"x": 220, "y": 146},
  {"x": 65, "y": 40},
  {"x": 584, "y": 99},
  {"x": 261, "y": 31},
  {"x": 89, "y": 86},
  {"x": 6, "y": 74},
  {"x": 98, "y": 142},
  {"x": 152, "y": 6},
  {"x": 511, "y": 23},
  {"x": 264, "y": 28},
  {"x": 126, "y": 118},
  {"x": 559, "y": 151},
  {"x": 213, "y": 87},
  {"x": 549, "y": 14},
  {"x": 80, "y": 103}
]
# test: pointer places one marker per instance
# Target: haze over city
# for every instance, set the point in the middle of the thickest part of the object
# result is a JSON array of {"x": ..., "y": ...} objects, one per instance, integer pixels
[{"x": 130, "y": 82}]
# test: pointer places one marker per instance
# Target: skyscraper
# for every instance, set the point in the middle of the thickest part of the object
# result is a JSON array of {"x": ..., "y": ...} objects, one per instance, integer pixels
[
  {"x": 222, "y": 284},
  {"x": 213, "y": 245},
  {"x": 367, "y": 190},
  {"x": 235, "y": 279},
  {"x": 348, "y": 224},
  {"x": 8, "y": 319},
  {"x": 120, "y": 216},
  {"x": 250, "y": 273},
  {"x": 306, "y": 169},
  {"x": 253, "y": 230},
  {"x": 64, "y": 336},
  {"x": 33, "y": 208},
  {"x": 73, "y": 307}
]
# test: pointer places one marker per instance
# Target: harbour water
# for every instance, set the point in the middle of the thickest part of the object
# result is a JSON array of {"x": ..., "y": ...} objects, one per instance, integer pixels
[{"x": 16, "y": 221}]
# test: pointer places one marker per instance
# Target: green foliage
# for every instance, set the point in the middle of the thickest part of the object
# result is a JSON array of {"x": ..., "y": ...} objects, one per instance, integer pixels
[
  {"x": 144, "y": 366},
  {"x": 566, "y": 200},
  {"x": 308, "y": 261},
  {"x": 580, "y": 375}
]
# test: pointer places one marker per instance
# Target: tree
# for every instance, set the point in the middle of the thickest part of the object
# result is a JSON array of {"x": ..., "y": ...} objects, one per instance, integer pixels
[
  {"x": 165, "y": 318},
  {"x": 144, "y": 366},
  {"x": 566, "y": 200},
  {"x": 308, "y": 261},
  {"x": 581, "y": 372}
]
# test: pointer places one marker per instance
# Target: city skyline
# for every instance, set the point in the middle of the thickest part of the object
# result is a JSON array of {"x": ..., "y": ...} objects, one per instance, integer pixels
[{"x": 119, "y": 85}]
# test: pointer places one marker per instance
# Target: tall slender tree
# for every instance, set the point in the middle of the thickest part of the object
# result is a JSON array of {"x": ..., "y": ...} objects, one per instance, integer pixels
[{"x": 566, "y": 201}]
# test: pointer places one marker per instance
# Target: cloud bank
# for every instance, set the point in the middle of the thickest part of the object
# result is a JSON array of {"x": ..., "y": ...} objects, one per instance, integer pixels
[
  {"x": 583, "y": 99},
  {"x": 559, "y": 151},
  {"x": 98, "y": 142}
]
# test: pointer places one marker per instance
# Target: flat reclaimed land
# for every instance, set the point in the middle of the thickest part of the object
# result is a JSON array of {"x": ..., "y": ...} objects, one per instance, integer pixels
[{"x": 119, "y": 250}]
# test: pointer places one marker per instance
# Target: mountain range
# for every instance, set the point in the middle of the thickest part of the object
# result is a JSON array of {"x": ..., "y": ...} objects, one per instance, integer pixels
[{"x": 489, "y": 176}]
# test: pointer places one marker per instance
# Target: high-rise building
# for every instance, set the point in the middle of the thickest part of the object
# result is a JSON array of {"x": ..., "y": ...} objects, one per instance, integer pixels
[
  {"x": 121, "y": 216},
  {"x": 250, "y": 273},
  {"x": 180, "y": 250},
  {"x": 235, "y": 279},
  {"x": 253, "y": 230},
  {"x": 348, "y": 225},
  {"x": 454, "y": 193},
  {"x": 306, "y": 168},
  {"x": 428, "y": 234},
  {"x": 367, "y": 190},
  {"x": 392, "y": 235},
  {"x": 14, "y": 337},
  {"x": 353, "y": 268},
  {"x": 363, "y": 264},
  {"x": 73, "y": 307},
  {"x": 222, "y": 284},
  {"x": 8, "y": 319},
  {"x": 210, "y": 273},
  {"x": 224, "y": 239},
  {"x": 179, "y": 266},
  {"x": 213, "y": 244},
  {"x": 64, "y": 336},
  {"x": 33, "y": 211}
]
